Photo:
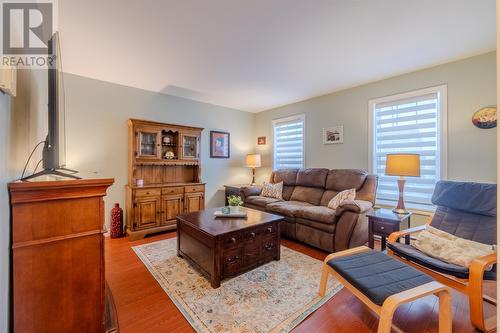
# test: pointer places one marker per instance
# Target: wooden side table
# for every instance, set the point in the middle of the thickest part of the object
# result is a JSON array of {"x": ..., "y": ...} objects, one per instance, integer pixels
[
  {"x": 382, "y": 222},
  {"x": 233, "y": 190}
]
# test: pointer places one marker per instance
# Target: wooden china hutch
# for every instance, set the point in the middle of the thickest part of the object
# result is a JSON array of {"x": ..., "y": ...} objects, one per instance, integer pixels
[{"x": 166, "y": 159}]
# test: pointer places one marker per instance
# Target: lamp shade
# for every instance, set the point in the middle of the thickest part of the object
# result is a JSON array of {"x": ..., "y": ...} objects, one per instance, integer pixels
[
  {"x": 253, "y": 160},
  {"x": 403, "y": 165}
]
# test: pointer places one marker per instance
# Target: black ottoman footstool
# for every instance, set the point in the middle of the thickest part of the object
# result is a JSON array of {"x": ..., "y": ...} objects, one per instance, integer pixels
[{"x": 384, "y": 283}]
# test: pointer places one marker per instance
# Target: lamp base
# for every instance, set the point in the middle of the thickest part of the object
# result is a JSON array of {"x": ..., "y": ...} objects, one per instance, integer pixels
[
  {"x": 400, "y": 208},
  {"x": 400, "y": 211}
]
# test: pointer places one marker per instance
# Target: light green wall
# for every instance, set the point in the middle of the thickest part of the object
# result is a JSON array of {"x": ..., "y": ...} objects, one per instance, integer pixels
[
  {"x": 96, "y": 129},
  {"x": 97, "y": 133},
  {"x": 471, "y": 151}
]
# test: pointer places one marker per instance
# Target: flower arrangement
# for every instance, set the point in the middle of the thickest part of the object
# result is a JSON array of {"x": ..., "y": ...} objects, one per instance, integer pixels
[{"x": 234, "y": 200}]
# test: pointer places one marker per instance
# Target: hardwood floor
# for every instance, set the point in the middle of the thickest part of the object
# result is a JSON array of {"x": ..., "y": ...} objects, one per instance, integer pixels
[{"x": 143, "y": 306}]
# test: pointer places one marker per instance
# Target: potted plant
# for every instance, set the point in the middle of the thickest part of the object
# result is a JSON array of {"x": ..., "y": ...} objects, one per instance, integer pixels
[{"x": 234, "y": 202}]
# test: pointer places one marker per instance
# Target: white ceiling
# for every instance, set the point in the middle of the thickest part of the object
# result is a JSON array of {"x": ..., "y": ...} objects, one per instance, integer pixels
[{"x": 254, "y": 55}]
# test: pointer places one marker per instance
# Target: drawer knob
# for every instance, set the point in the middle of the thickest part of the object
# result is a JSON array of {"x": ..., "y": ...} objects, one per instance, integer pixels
[
  {"x": 233, "y": 239},
  {"x": 270, "y": 229},
  {"x": 269, "y": 246},
  {"x": 382, "y": 228},
  {"x": 252, "y": 234},
  {"x": 232, "y": 259}
]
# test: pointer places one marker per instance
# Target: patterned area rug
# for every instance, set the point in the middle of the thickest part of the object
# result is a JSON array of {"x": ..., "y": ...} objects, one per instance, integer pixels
[{"x": 274, "y": 298}]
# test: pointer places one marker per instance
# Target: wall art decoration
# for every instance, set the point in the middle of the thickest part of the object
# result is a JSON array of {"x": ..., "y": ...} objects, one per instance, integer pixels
[
  {"x": 485, "y": 118},
  {"x": 219, "y": 144},
  {"x": 261, "y": 140},
  {"x": 333, "y": 135}
]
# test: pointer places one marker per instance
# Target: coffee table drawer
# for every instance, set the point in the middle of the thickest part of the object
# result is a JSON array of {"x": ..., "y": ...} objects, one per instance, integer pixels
[
  {"x": 231, "y": 240},
  {"x": 269, "y": 246},
  {"x": 251, "y": 253},
  {"x": 232, "y": 261},
  {"x": 269, "y": 229}
]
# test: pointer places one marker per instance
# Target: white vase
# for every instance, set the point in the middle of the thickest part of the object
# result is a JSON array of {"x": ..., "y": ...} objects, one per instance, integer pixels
[{"x": 234, "y": 209}]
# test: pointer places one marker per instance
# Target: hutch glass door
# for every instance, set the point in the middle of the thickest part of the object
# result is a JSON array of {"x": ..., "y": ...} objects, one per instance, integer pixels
[
  {"x": 190, "y": 146},
  {"x": 148, "y": 144}
]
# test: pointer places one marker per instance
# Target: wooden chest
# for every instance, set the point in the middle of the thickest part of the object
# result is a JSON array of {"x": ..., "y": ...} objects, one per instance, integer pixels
[{"x": 225, "y": 247}]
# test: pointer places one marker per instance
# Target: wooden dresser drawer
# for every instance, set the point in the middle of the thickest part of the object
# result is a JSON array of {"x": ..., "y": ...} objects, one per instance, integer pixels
[
  {"x": 195, "y": 188},
  {"x": 147, "y": 192},
  {"x": 172, "y": 190}
]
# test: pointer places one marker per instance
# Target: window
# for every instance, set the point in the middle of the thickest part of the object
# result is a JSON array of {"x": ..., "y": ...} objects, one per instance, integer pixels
[
  {"x": 288, "y": 139},
  {"x": 413, "y": 122}
]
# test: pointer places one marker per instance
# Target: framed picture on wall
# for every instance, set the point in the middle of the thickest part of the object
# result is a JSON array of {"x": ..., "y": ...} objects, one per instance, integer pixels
[
  {"x": 219, "y": 144},
  {"x": 333, "y": 135}
]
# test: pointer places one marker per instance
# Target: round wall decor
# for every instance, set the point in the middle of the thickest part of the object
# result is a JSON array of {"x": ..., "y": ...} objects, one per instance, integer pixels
[{"x": 485, "y": 117}]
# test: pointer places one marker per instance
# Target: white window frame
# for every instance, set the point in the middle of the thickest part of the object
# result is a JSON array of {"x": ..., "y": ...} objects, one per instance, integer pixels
[
  {"x": 442, "y": 91},
  {"x": 286, "y": 119}
]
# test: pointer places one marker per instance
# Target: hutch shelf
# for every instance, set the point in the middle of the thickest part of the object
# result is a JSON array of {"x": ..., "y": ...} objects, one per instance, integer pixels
[{"x": 166, "y": 158}]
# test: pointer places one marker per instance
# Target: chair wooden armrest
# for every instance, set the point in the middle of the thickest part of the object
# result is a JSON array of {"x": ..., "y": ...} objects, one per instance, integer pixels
[
  {"x": 479, "y": 265},
  {"x": 395, "y": 236},
  {"x": 475, "y": 291}
]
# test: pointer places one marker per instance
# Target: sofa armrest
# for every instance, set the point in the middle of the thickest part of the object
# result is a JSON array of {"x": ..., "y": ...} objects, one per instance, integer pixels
[
  {"x": 355, "y": 206},
  {"x": 247, "y": 191}
]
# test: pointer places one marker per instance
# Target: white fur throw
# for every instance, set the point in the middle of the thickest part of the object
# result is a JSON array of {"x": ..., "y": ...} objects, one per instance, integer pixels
[
  {"x": 449, "y": 248},
  {"x": 342, "y": 196},
  {"x": 272, "y": 190}
]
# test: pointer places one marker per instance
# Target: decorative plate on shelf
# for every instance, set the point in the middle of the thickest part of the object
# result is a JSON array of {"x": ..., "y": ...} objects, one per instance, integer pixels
[{"x": 485, "y": 118}]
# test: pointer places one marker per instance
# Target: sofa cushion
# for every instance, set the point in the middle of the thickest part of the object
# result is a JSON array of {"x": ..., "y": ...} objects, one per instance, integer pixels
[
  {"x": 260, "y": 201},
  {"x": 326, "y": 227},
  {"x": 317, "y": 213},
  {"x": 311, "y": 195},
  {"x": 344, "y": 179},
  {"x": 287, "y": 176},
  {"x": 287, "y": 192},
  {"x": 286, "y": 208},
  {"x": 315, "y": 177}
]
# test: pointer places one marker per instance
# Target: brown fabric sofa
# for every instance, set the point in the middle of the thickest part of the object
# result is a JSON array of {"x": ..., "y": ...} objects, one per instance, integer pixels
[{"x": 306, "y": 194}]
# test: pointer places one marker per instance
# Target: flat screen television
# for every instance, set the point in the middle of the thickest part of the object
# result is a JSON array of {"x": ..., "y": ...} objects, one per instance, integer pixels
[{"x": 54, "y": 149}]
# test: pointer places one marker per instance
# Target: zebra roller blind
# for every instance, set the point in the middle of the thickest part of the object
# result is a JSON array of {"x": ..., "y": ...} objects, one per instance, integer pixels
[
  {"x": 408, "y": 123},
  {"x": 288, "y": 141}
]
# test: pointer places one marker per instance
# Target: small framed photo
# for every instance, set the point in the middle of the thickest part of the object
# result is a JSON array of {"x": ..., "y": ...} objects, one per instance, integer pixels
[
  {"x": 219, "y": 144},
  {"x": 333, "y": 135},
  {"x": 261, "y": 140}
]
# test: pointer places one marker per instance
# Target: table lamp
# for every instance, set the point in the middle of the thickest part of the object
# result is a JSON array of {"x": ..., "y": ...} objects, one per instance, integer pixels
[
  {"x": 253, "y": 161},
  {"x": 402, "y": 165}
]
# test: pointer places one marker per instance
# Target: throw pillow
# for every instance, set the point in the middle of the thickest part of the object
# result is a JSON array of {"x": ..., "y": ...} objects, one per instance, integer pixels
[
  {"x": 450, "y": 248},
  {"x": 272, "y": 190},
  {"x": 342, "y": 196}
]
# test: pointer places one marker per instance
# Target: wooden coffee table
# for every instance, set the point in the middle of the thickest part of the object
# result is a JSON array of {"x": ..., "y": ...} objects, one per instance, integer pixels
[{"x": 225, "y": 247}]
